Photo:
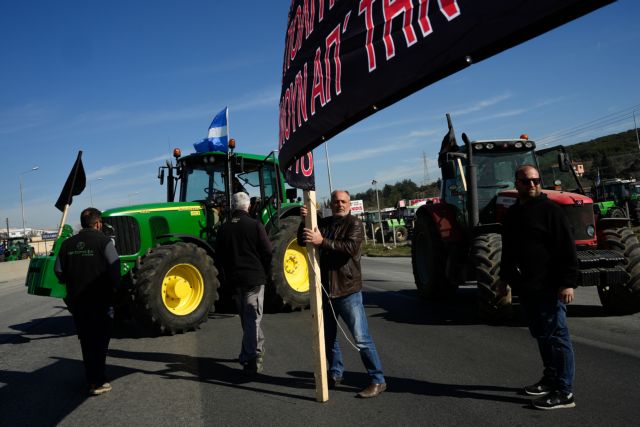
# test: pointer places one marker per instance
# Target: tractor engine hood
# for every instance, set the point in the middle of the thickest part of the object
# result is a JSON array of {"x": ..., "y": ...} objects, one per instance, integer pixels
[{"x": 509, "y": 197}]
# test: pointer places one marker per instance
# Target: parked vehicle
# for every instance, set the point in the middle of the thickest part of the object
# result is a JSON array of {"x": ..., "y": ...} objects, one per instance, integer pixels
[
  {"x": 167, "y": 249},
  {"x": 16, "y": 248},
  {"x": 458, "y": 241},
  {"x": 617, "y": 198}
]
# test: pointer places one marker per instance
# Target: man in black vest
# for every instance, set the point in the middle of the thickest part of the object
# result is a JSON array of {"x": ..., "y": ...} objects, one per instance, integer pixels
[
  {"x": 89, "y": 265},
  {"x": 243, "y": 251}
]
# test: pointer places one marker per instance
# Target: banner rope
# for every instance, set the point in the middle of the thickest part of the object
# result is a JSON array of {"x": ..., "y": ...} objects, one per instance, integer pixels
[{"x": 334, "y": 312}]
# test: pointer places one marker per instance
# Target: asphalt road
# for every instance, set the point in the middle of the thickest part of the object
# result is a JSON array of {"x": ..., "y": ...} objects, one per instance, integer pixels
[{"x": 442, "y": 367}]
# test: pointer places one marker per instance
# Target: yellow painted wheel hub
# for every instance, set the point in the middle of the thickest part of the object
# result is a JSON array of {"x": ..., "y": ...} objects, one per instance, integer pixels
[
  {"x": 295, "y": 266},
  {"x": 182, "y": 289}
]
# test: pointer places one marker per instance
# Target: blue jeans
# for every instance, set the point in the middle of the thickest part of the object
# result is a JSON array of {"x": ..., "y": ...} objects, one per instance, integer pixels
[
  {"x": 547, "y": 317},
  {"x": 351, "y": 309}
]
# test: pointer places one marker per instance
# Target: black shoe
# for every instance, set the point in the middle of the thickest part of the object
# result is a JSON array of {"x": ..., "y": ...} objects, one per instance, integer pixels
[
  {"x": 555, "y": 400},
  {"x": 334, "y": 381},
  {"x": 541, "y": 388}
]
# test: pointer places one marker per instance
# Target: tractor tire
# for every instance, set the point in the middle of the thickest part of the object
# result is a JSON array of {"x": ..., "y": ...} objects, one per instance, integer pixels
[
  {"x": 623, "y": 299},
  {"x": 486, "y": 252},
  {"x": 428, "y": 258},
  {"x": 289, "y": 267},
  {"x": 175, "y": 286},
  {"x": 402, "y": 234},
  {"x": 616, "y": 213}
]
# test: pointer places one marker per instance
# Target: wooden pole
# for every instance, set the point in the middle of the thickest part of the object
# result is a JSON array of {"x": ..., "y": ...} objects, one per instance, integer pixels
[
  {"x": 315, "y": 289},
  {"x": 64, "y": 218}
]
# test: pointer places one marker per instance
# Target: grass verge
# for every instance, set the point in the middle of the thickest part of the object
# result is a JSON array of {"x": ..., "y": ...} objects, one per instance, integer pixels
[{"x": 389, "y": 250}]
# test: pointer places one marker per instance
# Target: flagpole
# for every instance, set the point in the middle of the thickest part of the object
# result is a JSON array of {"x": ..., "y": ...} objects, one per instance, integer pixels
[{"x": 64, "y": 218}]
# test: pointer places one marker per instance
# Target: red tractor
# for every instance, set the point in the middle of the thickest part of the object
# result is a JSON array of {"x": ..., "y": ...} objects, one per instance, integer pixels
[{"x": 458, "y": 241}]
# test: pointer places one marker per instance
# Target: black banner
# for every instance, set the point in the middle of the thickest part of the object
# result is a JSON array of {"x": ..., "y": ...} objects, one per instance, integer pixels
[{"x": 344, "y": 60}]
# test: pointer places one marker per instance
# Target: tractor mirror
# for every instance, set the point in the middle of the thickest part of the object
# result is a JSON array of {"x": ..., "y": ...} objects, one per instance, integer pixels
[
  {"x": 161, "y": 175},
  {"x": 564, "y": 162},
  {"x": 292, "y": 194}
]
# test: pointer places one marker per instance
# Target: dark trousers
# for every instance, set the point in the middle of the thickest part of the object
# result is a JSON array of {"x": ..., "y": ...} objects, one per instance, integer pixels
[
  {"x": 547, "y": 317},
  {"x": 94, "y": 324}
]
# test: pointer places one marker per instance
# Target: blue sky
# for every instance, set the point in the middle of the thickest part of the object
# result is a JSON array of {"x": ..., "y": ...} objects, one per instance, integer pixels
[{"x": 127, "y": 81}]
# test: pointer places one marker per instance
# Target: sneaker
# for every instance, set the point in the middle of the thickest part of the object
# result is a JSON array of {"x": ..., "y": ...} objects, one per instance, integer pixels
[
  {"x": 98, "y": 390},
  {"x": 541, "y": 388},
  {"x": 555, "y": 400}
]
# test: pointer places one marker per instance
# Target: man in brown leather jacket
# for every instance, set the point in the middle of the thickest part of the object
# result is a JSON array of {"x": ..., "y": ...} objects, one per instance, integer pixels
[{"x": 339, "y": 239}]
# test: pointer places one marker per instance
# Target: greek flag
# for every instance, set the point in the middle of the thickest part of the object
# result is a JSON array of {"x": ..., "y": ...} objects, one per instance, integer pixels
[{"x": 218, "y": 137}]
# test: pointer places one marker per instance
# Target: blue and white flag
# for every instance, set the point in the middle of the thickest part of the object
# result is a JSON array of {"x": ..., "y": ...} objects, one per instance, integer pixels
[{"x": 218, "y": 137}]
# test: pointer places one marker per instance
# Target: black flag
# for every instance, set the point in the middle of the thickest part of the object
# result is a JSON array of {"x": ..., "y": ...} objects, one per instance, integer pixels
[{"x": 76, "y": 182}]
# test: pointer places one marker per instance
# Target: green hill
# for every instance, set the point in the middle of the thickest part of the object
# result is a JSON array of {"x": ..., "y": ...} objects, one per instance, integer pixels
[{"x": 615, "y": 156}]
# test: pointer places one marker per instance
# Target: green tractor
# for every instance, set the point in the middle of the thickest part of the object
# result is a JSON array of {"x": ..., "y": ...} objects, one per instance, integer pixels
[
  {"x": 617, "y": 198},
  {"x": 167, "y": 249},
  {"x": 390, "y": 224},
  {"x": 16, "y": 248}
]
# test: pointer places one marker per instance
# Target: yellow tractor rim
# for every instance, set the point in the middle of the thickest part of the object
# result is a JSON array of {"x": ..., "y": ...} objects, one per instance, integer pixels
[
  {"x": 182, "y": 289},
  {"x": 295, "y": 266}
]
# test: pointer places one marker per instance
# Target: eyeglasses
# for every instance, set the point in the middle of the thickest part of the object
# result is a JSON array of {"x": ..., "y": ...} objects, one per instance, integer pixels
[{"x": 527, "y": 181}]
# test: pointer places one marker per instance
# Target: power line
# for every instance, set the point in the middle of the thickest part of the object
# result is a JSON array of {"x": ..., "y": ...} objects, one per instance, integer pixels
[{"x": 599, "y": 123}]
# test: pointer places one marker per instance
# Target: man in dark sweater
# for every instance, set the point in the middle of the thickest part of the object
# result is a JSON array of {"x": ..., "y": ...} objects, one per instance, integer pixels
[
  {"x": 243, "y": 251},
  {"x": 89, "y": 266},
  {"x": 539, "y": 261}
]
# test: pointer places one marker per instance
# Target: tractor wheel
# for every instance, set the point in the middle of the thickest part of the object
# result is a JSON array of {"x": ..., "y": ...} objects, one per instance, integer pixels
[
  {"x": 428, "y": 258},
  {"x": 616, "y": 213},
  {"x": 623, "y": 299},
  {"x": 486, "y": 251},
  {"x": 290, "y": 266},
  {"x": 402, "y": 234},
  {"x": 175, "y": 287}
]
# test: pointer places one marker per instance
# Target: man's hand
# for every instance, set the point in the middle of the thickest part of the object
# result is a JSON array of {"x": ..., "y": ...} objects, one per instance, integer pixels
[
  {"x": 303, "y": 212},
  {"x": 312, "y": 236},
  {"x": 566, "y": 295}
]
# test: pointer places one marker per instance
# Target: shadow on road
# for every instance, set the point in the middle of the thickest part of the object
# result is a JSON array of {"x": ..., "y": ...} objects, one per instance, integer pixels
[
  {"x": 214, "y": 371},
  {"x": 354, "y": 381},
  {"x": 406, "y": 306},
  {"x": 46, "y": 396},
  {"x": 42, "y": 329}
]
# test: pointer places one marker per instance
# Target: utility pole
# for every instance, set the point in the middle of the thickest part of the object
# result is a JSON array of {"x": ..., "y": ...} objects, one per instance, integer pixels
[
  {"x": 326, "y": 153},
  {"x": 375, "y": 184},
  {"x": 636, "y": 128}
]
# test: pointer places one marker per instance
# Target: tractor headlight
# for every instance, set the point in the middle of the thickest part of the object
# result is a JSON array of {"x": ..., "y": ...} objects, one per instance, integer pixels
[{"x": 591, "y": 230}]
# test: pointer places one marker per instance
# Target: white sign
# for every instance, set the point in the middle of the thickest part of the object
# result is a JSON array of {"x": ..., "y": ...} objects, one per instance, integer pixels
[{"x": 357, "y": 207}]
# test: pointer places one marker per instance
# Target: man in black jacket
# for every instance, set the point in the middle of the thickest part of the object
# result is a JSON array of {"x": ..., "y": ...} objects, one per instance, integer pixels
[
  {"x": 89, "y": 266},
  {"x": 243, "y": 250},
  {"x": 339, "y": 238},
  {"x": 539, "y": 261}
]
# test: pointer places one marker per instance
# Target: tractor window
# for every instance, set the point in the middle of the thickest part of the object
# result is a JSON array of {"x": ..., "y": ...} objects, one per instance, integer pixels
[
  {"x": 270, "y": 180},
  {"x": 496, "y": 172},
  {"x": 205, "y": 184},
  {"x": 552, "y": 176},
  {"x": 250, "y": 179}
]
